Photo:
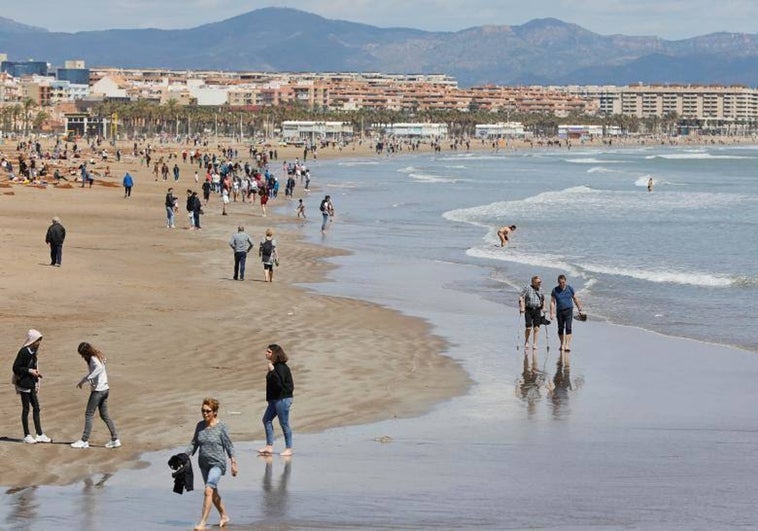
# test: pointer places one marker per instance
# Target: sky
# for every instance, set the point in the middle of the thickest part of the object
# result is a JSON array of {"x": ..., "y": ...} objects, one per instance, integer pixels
[{"x": 669, "y": 19}]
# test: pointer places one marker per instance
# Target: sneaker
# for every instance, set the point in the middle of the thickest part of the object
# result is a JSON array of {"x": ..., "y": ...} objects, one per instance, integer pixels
[
  {"x": 43, "y": 438},
  {"x": 30, "y": 440},
  {"x": 80, "y": 444},
  {"x": 113, "y": 444}
]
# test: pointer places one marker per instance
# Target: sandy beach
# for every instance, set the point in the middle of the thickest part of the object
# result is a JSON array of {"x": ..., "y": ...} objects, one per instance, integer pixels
[{"x": 162, "y": 305}]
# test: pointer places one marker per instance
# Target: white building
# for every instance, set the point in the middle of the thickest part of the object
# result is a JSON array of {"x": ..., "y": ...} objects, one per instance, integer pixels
[
  {"x": 413, "y": 130},
  {"x": 500, "y": 130},
  {"x": 587, "y": 131},
  {"x": 313, "y": 131}
]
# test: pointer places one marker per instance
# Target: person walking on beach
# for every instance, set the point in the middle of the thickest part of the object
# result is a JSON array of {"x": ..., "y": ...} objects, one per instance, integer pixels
[
  {"x": 171, "y": 208},
  {"x": 327, "y": 211},
  {"x": 503, "y": 233},
  {"x": 562, "y": 300},
  {"x": 56, "y": 234},
  {"x": 269, "y": 255},
  {"x": 300, "y": 209},
  {"x": 188, "y": 206},
  {"x": 128, "y": 182},
  {"x": 98, "y": 397},
  {"x": 197, "y": 209},
  {"x": 26, "y": 377},
  {"x": 279, "y": 391},
  {"x": 212, "y": 439},
  {"x": 241, "y": 243},
  {"x": 531, "y": 304}
]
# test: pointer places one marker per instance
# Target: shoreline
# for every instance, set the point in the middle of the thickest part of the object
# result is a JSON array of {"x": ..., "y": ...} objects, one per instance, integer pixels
[
  {"x": 309, "y": 266},
  {"x": 175, "y": 328}
]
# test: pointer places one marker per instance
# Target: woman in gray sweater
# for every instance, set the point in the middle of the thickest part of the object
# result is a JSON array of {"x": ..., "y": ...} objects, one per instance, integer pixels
[{"x": 212, "y": 439}]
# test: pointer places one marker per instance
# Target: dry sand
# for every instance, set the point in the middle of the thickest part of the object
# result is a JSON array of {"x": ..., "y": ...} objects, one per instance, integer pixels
[{"x": 175, "y": 328}]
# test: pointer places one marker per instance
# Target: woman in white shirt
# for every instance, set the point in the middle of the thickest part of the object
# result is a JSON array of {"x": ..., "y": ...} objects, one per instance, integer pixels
[{"x": 98, "y": 398}]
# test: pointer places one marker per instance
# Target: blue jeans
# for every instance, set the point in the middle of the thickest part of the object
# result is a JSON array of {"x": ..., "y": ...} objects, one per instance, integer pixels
[
  {"x": 278, "y": 408},
  {"x": 56, "y": 253},
  {"x": 240, "y": 257},
  {"x": 211, "y": 476},
  {"x": 325, "y": 221},
  {"x": 170, "y": 215}
]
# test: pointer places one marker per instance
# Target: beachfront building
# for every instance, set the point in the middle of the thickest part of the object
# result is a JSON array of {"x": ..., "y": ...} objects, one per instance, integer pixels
[
  {"x": 82, "y": 124},
  {"x": 416, "y": 131},
  {"x": 695, "y": 102},
  {"x": 587, "y": 132},
  {"x": 500, "y": 130},
  {"x": 313, "y": 131}
]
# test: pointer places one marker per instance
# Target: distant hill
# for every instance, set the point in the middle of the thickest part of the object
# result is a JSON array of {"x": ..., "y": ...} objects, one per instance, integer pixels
[{"x": 543, "y": 51}]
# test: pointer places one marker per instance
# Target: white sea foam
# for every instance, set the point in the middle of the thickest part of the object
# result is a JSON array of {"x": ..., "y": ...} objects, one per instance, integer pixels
[
  {"x": 591, "y": 160},
  {"x": 583, "y": 201},
  {"x": 358, "y": 163},
  {"x": 696, "y": 156},
  {"x": 430, "y": 178},
  {"x": 687, "y": 278},
  {"x": 600, "y": 169},
  {"x": 407, "y": 169},
  {"x": 588, "y": 271}
]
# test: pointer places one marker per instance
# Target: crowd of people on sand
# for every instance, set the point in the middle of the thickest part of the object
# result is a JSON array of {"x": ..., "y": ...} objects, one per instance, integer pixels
[{"x": 211, "y": 440}]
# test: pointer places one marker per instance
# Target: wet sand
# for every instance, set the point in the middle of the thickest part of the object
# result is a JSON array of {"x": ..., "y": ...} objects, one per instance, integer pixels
[{"x": 162, "y": 305}]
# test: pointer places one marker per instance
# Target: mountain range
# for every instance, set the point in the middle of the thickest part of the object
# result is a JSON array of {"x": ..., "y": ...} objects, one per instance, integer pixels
[{"x": 542, "y": 51}]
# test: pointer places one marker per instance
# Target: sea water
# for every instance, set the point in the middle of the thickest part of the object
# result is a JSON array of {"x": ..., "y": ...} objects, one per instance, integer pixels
[{"x": 680, "y": 260}]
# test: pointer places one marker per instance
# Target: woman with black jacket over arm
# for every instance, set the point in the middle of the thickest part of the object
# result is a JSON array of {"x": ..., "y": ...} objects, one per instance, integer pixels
[{"x": 279, "y": 389}]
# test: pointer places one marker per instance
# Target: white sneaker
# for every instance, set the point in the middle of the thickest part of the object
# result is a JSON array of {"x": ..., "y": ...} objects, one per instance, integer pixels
[
  {"x": 43, "y": 438},
  {"x": 113, "y": 444},
  {"x": 80, "y": 444},
  {"x": 30, "y": 440}
]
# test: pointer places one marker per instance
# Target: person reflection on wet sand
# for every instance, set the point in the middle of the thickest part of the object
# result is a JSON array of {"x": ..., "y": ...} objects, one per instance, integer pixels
[
  {"x": 561, "y": 385},
  {"x": 528, "y": 385},
  {"x": 24, "y": 507},
  {"x": 274, "y": 499},
  {"x": 90, "y": 508}
]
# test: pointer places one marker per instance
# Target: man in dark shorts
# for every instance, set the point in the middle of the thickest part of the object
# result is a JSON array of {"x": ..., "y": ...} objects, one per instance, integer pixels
[
  {"x": 562, "y": 300},
  {"x": 531, "y": 303}
]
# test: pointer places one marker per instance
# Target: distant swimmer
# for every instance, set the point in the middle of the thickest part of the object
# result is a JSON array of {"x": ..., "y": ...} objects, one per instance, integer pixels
[
  {"x": 503, "y": 234},
  {"x": 650, "y": 184}
]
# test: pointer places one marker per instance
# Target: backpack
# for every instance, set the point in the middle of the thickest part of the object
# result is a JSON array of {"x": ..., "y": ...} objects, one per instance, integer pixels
[
  {"x": 267, "y": 249},
  {"x": 323, "y": 206}
]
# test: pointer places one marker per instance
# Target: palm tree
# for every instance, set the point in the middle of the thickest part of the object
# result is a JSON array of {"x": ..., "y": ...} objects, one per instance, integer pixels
[{"x": 28, "y": 105}]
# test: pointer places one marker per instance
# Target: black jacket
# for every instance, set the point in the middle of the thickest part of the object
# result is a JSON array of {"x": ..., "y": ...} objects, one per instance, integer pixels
[
  {"x": 55, "y": 234},
  {"x": 182, "y": 473},
  {"x": 279, "y": 383},
  {"x": 25, "y": 359}
]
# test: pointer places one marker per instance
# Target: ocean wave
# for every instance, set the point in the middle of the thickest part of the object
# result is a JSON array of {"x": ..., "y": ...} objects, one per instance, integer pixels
[
  {"x": 358, "y": 163},
  {"x": 471, "y": 156},
  {"x": 430, "y": 178},
  {"x": 583, "y": 201},
  {"x": 696, "y": 156},
  {"x": 600, "y": 169},
  {"x": 590, "y": 271},
  {"x": 685, "y": 278},
  {"x": 592, "y": 160},
  {"x": 407, "y": 169}
]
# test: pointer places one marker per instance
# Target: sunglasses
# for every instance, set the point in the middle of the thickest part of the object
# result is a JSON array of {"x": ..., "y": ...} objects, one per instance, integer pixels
[{"x": 202, "y": 410}]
